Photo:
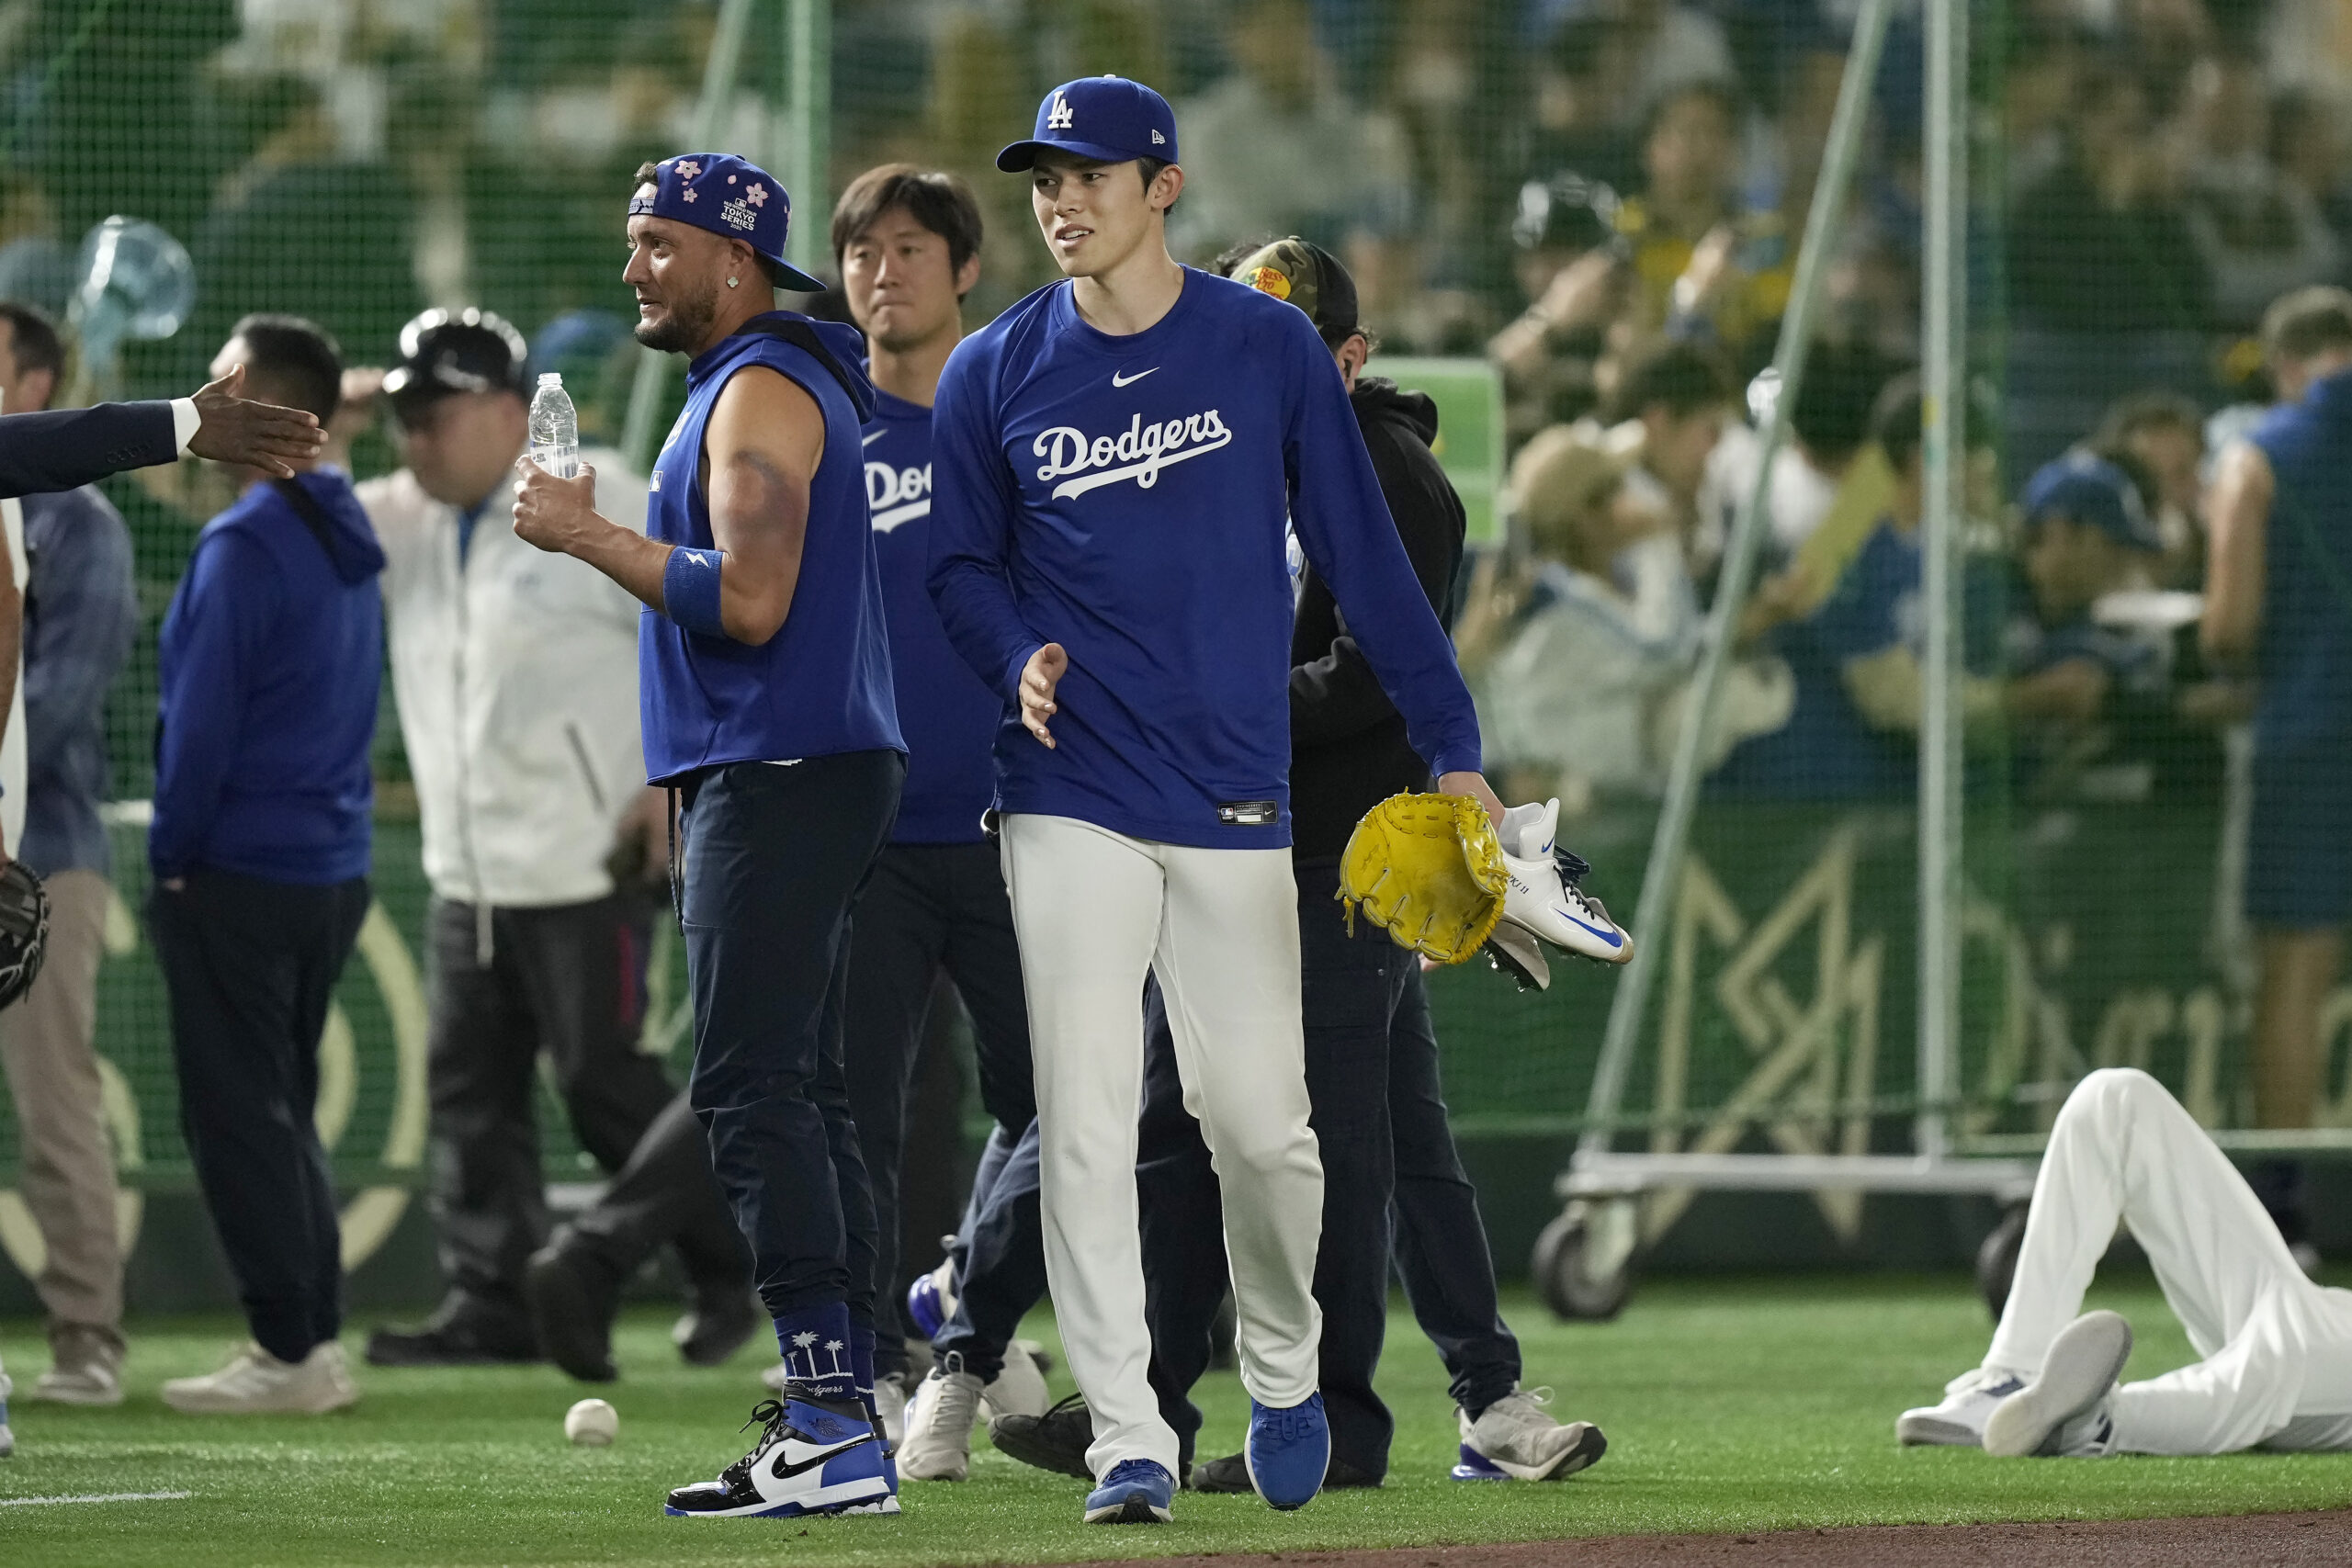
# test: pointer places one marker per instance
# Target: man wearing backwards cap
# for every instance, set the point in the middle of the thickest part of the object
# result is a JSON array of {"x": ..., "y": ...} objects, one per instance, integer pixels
[
  {"x": 765, "y": 690},
  {"x": 1113, "y": 461},
  {"x": 516, "y": 681}
]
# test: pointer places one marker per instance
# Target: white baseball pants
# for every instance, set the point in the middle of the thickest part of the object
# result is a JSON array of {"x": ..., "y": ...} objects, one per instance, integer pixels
[
  {"x": 1094, "y": 912},
  {"x": 2277, "y": 1349}
]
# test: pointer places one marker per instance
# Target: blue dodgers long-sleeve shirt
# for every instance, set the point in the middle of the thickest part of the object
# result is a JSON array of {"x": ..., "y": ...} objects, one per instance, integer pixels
[
  {"x": 946, "y": 714},
  {"x": 1126, "y": 497},
  {"x": 270, "y": 660}
]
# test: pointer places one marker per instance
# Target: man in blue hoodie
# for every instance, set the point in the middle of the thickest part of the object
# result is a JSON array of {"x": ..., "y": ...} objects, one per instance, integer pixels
[
  {"x": 270, "y": 658},
  {"x": 764, "y": 689}
]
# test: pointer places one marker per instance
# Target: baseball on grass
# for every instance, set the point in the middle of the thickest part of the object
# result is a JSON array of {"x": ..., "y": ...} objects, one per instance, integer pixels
[{"x": 592, "y": 1423}]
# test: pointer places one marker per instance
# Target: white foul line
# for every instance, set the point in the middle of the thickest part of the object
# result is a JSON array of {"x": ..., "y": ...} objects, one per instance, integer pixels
[{"x": 97, "y": 1497}]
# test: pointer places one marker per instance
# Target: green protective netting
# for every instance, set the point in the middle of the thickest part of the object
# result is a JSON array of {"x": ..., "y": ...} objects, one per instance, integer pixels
[{"x": 356, "y": 163}]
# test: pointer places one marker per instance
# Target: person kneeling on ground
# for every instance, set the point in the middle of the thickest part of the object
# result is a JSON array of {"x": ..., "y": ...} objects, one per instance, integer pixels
[{"x": 2277, "y": 1349}]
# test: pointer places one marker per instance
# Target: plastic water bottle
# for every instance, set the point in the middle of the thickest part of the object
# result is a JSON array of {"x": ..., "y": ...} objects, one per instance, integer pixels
[{"x": 555, "y": 429}]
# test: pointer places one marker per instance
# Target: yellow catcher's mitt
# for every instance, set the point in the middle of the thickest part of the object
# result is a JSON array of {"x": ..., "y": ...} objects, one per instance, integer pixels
[{"x": 1430, "y": 868}]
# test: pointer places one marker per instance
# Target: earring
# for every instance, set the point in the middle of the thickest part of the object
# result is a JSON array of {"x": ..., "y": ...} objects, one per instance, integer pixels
[{"x": 730, "y": 283}]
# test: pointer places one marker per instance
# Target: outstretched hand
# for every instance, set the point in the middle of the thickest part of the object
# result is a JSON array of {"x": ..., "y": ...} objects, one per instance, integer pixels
[
  {"x": 1038, "y": 678},
  {"x": 234, "y": 429}
]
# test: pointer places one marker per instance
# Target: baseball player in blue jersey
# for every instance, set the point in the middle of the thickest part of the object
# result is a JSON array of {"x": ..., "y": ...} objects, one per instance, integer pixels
[
  {"x": 907, "y": 241},
  {"x": 1115, "y": 460},
  {"x": 765, "y": 683}
]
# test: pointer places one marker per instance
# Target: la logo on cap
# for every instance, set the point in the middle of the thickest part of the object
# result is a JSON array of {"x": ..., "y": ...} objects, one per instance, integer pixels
[{"x": 1059, "y": 119}]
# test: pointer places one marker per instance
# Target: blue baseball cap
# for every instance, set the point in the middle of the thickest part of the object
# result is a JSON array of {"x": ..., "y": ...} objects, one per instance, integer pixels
[
  {"x": 1107, "y": 118},
  {"x": 728, "y": 196},
  {"x": 2088, "y": 489}
]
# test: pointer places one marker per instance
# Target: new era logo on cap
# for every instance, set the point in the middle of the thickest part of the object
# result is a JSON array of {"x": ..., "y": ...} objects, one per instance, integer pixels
[{"x": 1107, "y": 118}]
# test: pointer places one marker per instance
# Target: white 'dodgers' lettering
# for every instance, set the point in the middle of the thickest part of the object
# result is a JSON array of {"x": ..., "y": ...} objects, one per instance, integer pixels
[{"x": 1141, "y": 449}]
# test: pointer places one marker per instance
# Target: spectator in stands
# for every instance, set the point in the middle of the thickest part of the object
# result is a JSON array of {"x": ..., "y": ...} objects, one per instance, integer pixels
[
  {"x": 2260, "y": 231},
  {"x": 1665, "y": 48},
  {"x": 2307, "y": 146},
  {"x": 1567, "y": 664},
  {"x": 81, "y": 612},
  {"x": 1276, "y": 147},
  {"x": 1680, "y": 397},
  {"x": 1705, "y": 266},
  {"x": 2278, "y": 603},
  {"x": 270, "y": 657},
  {"x": 2086, "y": 534},
  {"x": 1579, "y": 104},
  {"x": 1572, "y": 269},
  {"x": 2038, "y": 82},
  {"x": 2099, "y": 243},
  {"x": 1855, "y": 653},
  {"x": 2164, "y": 432},
  {"x": 516, "y": 679}
]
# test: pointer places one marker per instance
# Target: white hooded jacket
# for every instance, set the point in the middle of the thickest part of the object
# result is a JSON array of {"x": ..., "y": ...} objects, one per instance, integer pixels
[{"x": 516, "y": 674}]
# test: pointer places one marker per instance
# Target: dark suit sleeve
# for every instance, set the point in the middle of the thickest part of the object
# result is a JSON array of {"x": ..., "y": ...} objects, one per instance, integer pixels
[
  {"x": 72, "y": 447},
  {"x": 1337, "y": 695}
]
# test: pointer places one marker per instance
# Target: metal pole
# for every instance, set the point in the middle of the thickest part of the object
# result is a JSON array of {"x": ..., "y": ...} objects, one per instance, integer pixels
[
  {"x": 1944, "y": 459},
  {"x": 654, "y": 368},
  {"x": 1661, "y": 880},
  {"x": 810, "y": 113}
]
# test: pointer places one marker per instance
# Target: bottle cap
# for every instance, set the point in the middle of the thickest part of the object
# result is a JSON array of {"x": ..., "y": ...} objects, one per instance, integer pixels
[{"x": 550, "y": 378}]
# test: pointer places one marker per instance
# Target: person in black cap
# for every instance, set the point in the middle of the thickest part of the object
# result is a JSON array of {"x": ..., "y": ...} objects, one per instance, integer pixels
[{"x": 516, "y": 681}]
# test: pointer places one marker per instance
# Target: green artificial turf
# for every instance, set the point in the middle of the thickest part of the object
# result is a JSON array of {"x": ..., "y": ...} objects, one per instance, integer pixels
[{"x": 1731, "y": 1405}]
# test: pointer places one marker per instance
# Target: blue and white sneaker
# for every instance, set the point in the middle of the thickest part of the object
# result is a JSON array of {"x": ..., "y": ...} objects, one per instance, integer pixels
[
  {"x": 1136, "y": 1492},
  {"x": 7, "y": 1438},
  {"x": 814, "y": 1456},
  {"x": 1471, "y": 1465},
  {"x": 930, "y": 1300},
  {"x": 1288, "y": 1451},
  {"x": 1543, "y": 898},
  {"x": 1959, "y": 1421}
]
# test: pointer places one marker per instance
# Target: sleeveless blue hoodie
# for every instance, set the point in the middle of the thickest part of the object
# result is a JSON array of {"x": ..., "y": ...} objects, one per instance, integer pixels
[{"x": 821, "y": 685}]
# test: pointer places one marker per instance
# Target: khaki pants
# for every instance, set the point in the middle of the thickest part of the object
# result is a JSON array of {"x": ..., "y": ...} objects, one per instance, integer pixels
[{"x": 45, "y": 1040}]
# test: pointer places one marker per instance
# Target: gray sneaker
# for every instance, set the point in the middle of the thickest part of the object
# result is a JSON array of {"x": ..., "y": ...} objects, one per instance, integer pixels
[
  {"x": 254, "y": 1382},
  {"x": 2065, "y": 1411},
  {"x": 85, "y": 1367},
  {"x": 1518, "y": 1437}
]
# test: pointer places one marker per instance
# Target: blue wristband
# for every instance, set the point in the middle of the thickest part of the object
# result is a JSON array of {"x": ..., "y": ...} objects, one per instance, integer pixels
[{"x": 690, "y": 590}]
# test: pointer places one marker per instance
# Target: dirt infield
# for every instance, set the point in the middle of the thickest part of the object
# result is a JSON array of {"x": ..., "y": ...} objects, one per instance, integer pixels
[{"x": 2274, "y": 1540}]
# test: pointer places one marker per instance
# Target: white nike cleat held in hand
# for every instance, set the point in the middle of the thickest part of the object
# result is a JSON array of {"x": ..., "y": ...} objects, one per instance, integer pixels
[{"x": 1542, "y": 897}]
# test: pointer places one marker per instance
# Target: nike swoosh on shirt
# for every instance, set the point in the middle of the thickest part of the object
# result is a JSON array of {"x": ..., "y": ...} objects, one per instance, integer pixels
[
  {"x": 1611, "y": 937},
  {"x": 1119, "y": 380},
  {"x": 784, "y": 1472},
  {"x": 870, "y": 440}
]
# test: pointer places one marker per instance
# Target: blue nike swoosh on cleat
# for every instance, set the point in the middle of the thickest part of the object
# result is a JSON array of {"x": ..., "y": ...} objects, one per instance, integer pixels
[{"x": 1611, "y": 937}]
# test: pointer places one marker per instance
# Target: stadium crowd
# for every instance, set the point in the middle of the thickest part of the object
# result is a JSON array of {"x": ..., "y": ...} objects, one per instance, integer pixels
[{"x": 1600, "y": 197}]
